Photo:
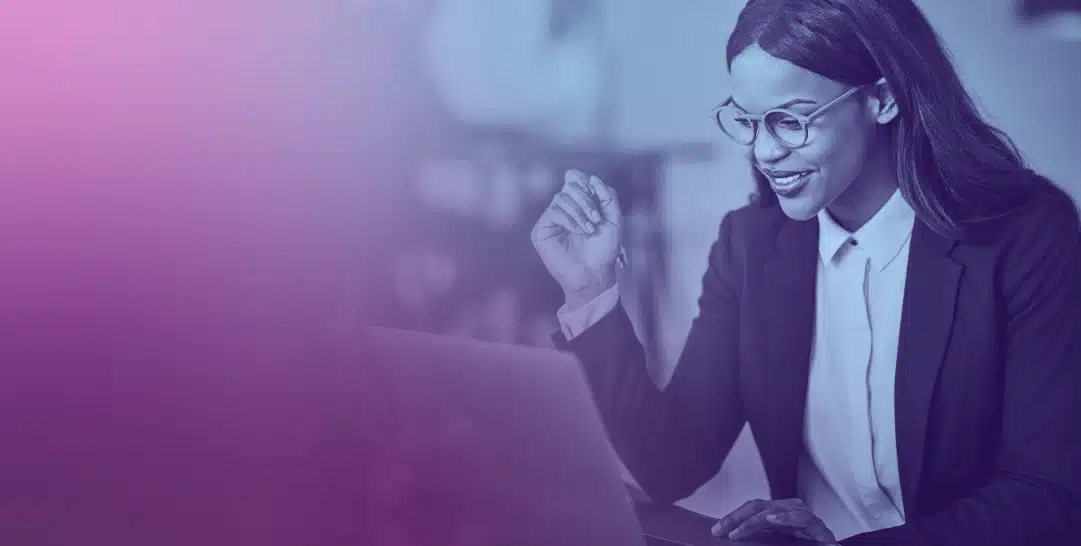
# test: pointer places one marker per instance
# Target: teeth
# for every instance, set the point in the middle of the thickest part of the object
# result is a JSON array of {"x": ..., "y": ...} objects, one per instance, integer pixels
[{"x": 789, "y": 179}]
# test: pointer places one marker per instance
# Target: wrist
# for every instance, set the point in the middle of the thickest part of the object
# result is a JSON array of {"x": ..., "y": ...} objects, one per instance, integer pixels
[{"x": 576, "y": 299}]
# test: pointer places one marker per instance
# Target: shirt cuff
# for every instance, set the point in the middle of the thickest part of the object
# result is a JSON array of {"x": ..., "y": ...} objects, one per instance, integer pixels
[{"x": 573, "y": 322}]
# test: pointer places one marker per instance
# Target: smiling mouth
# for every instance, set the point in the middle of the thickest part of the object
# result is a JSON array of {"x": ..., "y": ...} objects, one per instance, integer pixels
[
  {"x": 789, "y": 182},
  {"x": 790, "y": 179}
]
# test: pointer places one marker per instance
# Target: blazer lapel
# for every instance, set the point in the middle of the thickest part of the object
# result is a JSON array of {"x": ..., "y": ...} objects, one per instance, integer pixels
[
  {"x": 926, "y": 323},
  {"x": 788, "y": 297}
]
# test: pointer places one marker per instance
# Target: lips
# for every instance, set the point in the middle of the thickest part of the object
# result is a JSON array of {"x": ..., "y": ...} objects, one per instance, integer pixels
[{"x": 787, "y": 183}]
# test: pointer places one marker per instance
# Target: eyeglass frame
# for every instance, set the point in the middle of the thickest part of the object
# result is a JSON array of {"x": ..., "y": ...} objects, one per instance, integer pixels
[{"x": 759, "y": 119}]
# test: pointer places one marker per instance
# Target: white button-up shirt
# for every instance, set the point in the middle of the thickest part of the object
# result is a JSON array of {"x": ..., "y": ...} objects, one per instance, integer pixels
[{"x": 848, "y": 474}]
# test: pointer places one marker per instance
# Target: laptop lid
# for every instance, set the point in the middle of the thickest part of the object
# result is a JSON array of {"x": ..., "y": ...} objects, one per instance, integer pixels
[{"x": 503, "y": 441}]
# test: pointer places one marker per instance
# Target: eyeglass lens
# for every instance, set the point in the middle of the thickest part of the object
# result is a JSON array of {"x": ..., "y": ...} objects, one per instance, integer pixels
[{"x": 785, "y": 128}]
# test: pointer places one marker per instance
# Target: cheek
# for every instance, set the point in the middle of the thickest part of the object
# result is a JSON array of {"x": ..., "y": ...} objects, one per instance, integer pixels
[{"x": 839, "y": 159}]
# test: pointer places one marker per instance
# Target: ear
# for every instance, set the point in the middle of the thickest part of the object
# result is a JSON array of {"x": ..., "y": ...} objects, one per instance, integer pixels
[{"x": 884, "y": 104}]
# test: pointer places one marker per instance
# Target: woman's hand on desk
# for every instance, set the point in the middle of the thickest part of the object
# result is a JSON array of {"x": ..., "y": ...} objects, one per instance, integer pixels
[
  {"x": 578, "y": 237},
  {"x": 786, "y": 517}
]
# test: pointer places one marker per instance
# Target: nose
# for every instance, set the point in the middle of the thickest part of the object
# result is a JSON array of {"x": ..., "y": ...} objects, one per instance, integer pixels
[{"x": 767, "y": 150}]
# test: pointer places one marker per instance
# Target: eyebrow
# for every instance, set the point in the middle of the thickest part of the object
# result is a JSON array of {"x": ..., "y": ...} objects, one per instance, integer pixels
[{"x": 785, "y": 105}]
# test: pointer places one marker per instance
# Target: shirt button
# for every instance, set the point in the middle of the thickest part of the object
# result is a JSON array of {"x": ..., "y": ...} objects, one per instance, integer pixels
[{"x": 852, "y": 242}]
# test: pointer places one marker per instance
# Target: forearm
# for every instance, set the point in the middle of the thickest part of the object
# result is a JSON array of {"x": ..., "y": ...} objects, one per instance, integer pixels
[
  {"x": 672, "y": 441},
  {"x": 670, "y": 450}
]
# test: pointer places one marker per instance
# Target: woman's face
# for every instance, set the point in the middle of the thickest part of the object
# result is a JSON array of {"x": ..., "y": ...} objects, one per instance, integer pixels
[{"x": 808, "y": 178}]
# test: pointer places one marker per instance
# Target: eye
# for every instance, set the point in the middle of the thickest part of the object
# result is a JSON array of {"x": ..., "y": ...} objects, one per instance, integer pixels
[
  {"x": 790, "y": 123},
  {"x": 744, "y": 122}
]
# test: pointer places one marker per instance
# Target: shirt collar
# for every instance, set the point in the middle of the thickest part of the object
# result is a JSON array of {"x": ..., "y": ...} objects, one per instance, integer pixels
[{"x": 882, "y": 237}]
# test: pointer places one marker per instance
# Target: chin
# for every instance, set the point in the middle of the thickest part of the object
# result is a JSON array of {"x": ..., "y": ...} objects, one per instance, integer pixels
[{"x": 799, "y": 208}]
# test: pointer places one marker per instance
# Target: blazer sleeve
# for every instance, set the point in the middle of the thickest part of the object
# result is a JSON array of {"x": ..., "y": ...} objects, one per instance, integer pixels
[
  {"x": 672, "y": 440},
  {"x": 1035, "y": 497}
]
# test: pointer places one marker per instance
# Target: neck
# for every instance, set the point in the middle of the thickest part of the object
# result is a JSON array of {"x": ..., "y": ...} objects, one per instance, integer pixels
[{"x": 866, "y": 195}]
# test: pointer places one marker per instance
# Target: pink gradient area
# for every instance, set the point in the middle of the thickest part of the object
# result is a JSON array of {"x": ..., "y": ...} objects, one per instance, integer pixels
[{"x": 190, "y": 198}]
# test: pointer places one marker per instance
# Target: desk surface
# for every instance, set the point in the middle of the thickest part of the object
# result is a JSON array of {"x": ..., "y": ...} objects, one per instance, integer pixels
[{"x": 680, "y": 525}]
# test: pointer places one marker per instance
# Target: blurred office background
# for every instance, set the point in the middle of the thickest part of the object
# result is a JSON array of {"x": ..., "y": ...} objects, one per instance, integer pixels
[{"x": 487, "y": 102}]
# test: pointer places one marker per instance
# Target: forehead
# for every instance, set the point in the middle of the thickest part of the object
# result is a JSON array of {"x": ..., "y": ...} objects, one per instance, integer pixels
[{"x": 761, "y": 81}]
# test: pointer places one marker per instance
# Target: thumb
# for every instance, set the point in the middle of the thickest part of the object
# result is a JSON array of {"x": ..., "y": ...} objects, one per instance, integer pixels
[{"x": 609, "y": 202}]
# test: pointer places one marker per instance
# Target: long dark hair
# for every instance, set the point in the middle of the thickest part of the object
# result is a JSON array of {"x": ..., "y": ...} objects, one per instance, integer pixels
[{"x": 954, "y": 167}]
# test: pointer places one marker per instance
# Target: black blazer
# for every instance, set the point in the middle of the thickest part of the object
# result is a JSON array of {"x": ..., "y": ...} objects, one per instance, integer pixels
[{"x": 988, "y": 385}]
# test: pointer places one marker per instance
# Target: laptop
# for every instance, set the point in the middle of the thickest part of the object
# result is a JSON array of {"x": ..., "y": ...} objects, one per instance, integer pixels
[{"x": 515, "y": 444}]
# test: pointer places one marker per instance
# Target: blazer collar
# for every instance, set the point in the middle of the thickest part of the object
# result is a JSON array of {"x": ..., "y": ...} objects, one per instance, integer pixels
[
  {"x": 929, "y": 309},
  {"x": 786, "y": 331}
]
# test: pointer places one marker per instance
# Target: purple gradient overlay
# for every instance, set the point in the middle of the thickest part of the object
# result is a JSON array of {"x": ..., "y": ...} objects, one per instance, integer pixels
[{"x": 191, "y": 197}]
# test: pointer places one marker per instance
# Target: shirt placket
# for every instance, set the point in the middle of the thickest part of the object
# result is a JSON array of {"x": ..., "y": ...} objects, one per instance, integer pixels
[
  {"x": 855, "y": 342},
  {"x": 875, "y": 497}
]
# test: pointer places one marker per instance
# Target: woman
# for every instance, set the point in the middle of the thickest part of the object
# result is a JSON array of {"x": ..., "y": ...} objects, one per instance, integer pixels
[{"x": 897, "y": 315}]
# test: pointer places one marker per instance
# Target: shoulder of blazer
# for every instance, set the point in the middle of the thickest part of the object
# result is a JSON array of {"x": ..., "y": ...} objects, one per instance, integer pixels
[{"x": 1046, "y": 212}]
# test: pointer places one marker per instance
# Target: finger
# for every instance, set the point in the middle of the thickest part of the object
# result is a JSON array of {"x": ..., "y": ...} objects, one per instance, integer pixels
[
  {"x": 563, "y": 219},
  {"x": 734, "y": 519},
  {"x": 758, "y": 523},
  {"x": 791, "y": 518},
  {"x": 794, "y": 503},
  {"x": 802, "y": 534},
  {"x": 802, "y": 523},
  {"x": 606, "y": 198},
  {"x": 574, "y": 175},
  {"x": 587, "y": 202},
  {"x": 567, "y": 204}
]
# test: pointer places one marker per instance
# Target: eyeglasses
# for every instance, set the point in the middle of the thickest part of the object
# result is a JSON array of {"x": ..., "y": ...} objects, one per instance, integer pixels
[{"x": 789, "y": 128}]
